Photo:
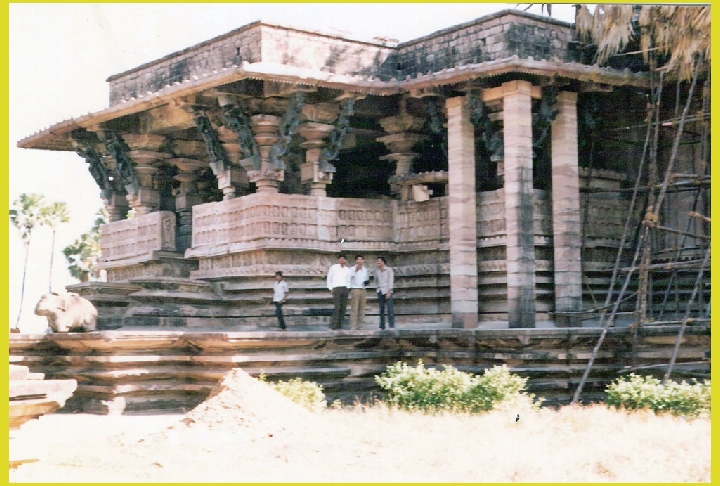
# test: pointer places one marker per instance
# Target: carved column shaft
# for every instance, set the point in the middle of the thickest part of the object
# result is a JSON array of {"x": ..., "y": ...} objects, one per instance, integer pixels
[
  {"x": 517, "y": 107},
  {"x": 567, "y": 226}
]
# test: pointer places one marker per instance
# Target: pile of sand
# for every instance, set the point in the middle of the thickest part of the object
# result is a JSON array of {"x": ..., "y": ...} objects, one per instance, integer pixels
[{"x": 243, "y": 404}]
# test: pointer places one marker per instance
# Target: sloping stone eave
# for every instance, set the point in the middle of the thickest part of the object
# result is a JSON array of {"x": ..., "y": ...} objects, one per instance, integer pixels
[{"x": 57, "y": 137}]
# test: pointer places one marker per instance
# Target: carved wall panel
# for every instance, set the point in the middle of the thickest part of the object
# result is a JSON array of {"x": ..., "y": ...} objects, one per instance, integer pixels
[{"x": 135, "y": 239}]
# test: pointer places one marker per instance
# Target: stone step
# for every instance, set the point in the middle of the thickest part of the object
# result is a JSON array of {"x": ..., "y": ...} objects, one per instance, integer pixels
[{"x": 49, "y": 388}]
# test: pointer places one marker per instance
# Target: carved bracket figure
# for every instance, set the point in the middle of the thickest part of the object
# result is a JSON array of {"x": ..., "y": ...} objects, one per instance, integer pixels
[
  {"x": 117, "y": 147},
  {"x": 491, "y": 136},
  {"x": 332, "y": 151},
  {"x": 542, "y": 119},
  {"x": 238, "y": 122},
  {"x": 286, "y": 130},
  {"x": 85, "y": 148},
  {"x": 218, "y": 157},
  {"x": 436, "y": 124}
]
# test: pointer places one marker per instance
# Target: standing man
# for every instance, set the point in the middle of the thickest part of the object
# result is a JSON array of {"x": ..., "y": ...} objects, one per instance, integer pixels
[
  {"x": 338, "y": 281},
  {"x": 358, "y": 280},
  {"x": 281, "y": 292},
  {"x": 384, "y": 280}
]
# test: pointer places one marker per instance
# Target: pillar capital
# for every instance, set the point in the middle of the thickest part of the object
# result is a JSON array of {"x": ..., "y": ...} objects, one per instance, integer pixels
[
  {"x": 517, "y": 86},
  {"x": 566, "y": 97}
]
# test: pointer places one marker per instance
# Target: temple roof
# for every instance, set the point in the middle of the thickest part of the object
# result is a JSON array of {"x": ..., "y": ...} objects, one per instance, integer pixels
[{"x": 500, "y": 44}]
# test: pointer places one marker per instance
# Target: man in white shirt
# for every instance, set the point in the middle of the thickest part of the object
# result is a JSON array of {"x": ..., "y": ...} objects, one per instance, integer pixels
[
  {"x": 338, "y": 281},
  {"x": 358, "y": 280},
  {"x": 281, "y": 290},
  {"x": 280, "y": 293}
]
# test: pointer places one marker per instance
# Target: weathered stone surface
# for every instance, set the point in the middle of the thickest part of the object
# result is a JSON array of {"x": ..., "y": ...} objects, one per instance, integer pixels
[
  {"x": 31, "y": 396},
  {"x": 519, "y": 203},
  {"x": 156, "y": 371},
  {"x": 462, "y": 219}
]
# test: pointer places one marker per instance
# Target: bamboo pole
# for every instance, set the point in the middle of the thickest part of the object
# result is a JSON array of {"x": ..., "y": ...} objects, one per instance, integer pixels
[{"x": 698, "y": 281}]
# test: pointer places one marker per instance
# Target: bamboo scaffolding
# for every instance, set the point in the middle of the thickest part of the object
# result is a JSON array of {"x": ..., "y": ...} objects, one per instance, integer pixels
[
  {"x": 682, "y": 186},
  {"x": 650, "y": 221},
  {"x": 687, "y": 316},
  {"x": 628, "y": 219}
]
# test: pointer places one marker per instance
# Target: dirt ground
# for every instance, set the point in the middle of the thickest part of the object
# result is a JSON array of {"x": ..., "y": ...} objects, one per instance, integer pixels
[{"x": 247, "y": 432}]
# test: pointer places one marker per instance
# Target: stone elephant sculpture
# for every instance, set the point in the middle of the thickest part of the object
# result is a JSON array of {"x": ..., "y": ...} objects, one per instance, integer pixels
[{"x": 67, "y": 312}]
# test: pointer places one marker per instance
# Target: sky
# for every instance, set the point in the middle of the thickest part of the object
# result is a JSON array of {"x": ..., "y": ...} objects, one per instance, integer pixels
[{"x": 61, "y": 55}]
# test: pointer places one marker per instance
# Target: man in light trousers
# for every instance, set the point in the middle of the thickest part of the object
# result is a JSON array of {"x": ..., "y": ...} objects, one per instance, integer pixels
[{"x": 358, "y": 280}]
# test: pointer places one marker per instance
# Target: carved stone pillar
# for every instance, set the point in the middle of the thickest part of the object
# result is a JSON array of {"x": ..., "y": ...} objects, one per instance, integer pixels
[
  {"x": 400, "y": 141},
  {"x": 567, "y": 226},
  {"x": 144, "y": 154},
  {"x": 265, "y": 132},
  {"x": 310, "y": 173},
  {"x": 187, "y": 196},
  {"x": 517, "y": 108},
  {"x": 462, "y": 215},
  {"x": 116, "y": 206},
  {"x": 231, "y": 179}
]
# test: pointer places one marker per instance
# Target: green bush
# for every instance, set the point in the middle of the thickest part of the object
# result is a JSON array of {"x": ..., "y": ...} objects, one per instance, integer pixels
[
  {"x": 432, "y": 390},
  {"x": 638, "y": 392},
  {"x": 306, "y": 393}
]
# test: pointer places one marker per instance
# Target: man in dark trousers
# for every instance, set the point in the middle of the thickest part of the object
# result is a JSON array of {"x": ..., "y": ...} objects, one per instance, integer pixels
[
  {"x": 384, "y": 280},
  {"x": 281, "y": 291},
  {"x": 338, "y": 282}
]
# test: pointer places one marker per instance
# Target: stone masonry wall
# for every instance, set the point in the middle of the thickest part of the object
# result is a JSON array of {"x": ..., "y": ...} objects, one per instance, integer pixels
[
  {"x": 496, "y": 36},
  {"x": 215, "y": 54},
  {"x": 253, "y": 43}
]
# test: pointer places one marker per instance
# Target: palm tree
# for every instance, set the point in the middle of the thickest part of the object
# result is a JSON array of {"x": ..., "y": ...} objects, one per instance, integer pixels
[
  {"x": 26, "y": 215},
  {"x": 673, "y": 38},
  {"x": 83, "y": 253},
  {"x": 53, "y": 215}
]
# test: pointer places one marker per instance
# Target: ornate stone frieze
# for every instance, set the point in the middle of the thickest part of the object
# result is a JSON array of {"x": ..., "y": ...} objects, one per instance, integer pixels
[
  {"x": 136, "y": 239},
  {"x": 288, "y": 218}
]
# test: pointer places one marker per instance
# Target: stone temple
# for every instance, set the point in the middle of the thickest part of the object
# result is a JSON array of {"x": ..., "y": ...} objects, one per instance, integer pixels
[
  {"x": 491, "y": 163},
  {"x": 469, "y": 158}
]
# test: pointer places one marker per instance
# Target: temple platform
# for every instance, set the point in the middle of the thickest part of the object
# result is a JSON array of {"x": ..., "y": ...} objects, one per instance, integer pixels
[{"x": 152, "y": 370}]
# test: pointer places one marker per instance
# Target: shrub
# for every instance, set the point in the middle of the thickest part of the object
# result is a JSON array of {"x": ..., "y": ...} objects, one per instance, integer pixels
[
  {"x": 432, "y": 390},
  {"x": 306, "y": 393},
  {"x": 638, "y": 392}
]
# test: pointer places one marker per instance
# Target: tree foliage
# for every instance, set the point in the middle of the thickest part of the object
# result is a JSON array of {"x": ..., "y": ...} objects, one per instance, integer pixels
[
  {"x": 674, "y": 35},
  {"x": 53, "y": 215},
  {"x": 83, "y": 253},
  {"x": 26, "y": 214}
]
